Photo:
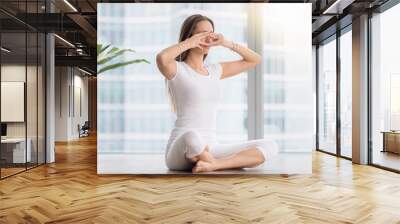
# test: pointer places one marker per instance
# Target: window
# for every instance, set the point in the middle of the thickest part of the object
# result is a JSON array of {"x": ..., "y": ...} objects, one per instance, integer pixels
[
  {"x": 346, "y": 94},
  {"x": 287, "y": 77},
  {"x": 327, "y": 96},
  {"x": 22, "y": 64},
  {"x": 385, "y": 88}
]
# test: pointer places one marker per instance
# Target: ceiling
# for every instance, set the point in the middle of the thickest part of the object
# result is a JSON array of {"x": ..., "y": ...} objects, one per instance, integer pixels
[
  {"x": 329, "y": 16},
  {"x": 76, "y": 22}
]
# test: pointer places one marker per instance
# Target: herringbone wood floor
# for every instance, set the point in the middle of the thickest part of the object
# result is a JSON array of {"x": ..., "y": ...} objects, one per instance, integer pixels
[{"x": 70, "y": 191}]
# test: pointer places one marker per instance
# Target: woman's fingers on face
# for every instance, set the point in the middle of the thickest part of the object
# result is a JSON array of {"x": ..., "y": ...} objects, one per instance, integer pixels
[
  {"x": 208, "y": 34},
  {"x": 214, "y": 43},
  {"x": 204, "y": 34},
  {"x": 202, "y": 43},
  {"x": 208, "y": 39},
  {"x": 214, "y": 35},
  {"x": 204, "y": 38},
  {"x": 216, "y": 38}
]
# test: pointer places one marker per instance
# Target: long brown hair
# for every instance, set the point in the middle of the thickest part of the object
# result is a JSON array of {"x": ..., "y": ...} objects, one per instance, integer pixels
[{"x": 187, "y": 29}]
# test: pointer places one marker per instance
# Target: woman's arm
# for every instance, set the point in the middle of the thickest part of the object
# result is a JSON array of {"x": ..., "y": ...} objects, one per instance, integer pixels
[
  {"x": 231, "y": 68},
  {"x": 166, "y": 58}
]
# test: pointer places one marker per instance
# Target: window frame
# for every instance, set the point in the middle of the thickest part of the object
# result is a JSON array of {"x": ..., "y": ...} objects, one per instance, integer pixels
[
  {"x": 381, "y": 9},
  {"x": 334, "y": 37}
]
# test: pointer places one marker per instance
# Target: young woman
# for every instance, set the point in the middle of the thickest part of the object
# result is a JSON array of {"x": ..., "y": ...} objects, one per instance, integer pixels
[{"x": 194, "y": 90}]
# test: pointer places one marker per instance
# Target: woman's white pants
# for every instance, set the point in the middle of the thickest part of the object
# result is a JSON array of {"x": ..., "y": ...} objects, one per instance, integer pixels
[{"x": 190, "y": 144}]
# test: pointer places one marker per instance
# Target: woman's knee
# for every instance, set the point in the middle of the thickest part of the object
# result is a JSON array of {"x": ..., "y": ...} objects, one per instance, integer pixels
[
  {"x": 191, "y": 138},
  {"x": 193, "y": 143}
]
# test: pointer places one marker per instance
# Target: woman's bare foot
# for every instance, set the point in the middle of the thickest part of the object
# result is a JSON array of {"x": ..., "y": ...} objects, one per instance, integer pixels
[
  {"x": 204, "y": 156},
  {"x": 207, "y": 156},
  {"x": 204, "y": 166}
]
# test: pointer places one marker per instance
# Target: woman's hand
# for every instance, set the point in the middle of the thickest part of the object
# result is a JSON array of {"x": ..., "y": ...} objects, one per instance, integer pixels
[
  {"x": 198, "y": 40},
  {"x": 216, "y": 39},
  {"x": 208, "y": 39}
]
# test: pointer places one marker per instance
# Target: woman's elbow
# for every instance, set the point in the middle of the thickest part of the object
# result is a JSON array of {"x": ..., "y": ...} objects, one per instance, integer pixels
[
  {"x": 255, "y": 60},
  {"x": 160, "y": 58}
]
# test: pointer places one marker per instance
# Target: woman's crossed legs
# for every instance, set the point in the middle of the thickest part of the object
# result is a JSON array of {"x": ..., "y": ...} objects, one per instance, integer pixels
[{"x": 189, "y": 151}]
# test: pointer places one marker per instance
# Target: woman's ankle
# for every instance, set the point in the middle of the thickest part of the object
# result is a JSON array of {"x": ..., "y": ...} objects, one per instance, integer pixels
[{"x": 206, "y": 156}]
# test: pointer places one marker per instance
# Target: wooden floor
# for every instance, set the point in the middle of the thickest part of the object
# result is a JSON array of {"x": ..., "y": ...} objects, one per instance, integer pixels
[
  {"x": 70, "y": 191},
  {"x": 10, "y": 171},
  {"x": 387, "y": 159}
]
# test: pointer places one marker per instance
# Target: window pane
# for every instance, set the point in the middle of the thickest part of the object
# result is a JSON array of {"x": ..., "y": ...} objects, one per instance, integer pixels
[
  {"x": 286, "y": 53},
  {"x": 386, "y": 88},
  {"x": 32, "y": 100},
  {"x": 327, "y": 96},
  {"x": 232, "y": 115},
  {"x": 17, "y": 153},
  {"x": 346, "y": 94}
]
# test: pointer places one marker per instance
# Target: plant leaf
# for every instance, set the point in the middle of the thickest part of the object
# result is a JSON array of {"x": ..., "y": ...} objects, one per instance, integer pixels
[
  {"x": 117, "y": 65},
  {"x": 104, "y": 54},
  {"x": 99, "y": 48},
  {"x": 102, "y": 49},
  {"x": 109, "y": 57}
]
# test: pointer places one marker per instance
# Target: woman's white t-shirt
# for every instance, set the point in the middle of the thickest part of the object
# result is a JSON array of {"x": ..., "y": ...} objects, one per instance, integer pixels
[{"x": 196, "y": 97}]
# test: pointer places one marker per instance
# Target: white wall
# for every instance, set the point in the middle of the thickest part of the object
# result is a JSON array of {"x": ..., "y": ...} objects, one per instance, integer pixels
[
  {"x": 70, "y": 83},
  {"x": 33, "y": 126},
  {"x": 16, "y": 72},
  {"x": 79, "y": 117}
]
